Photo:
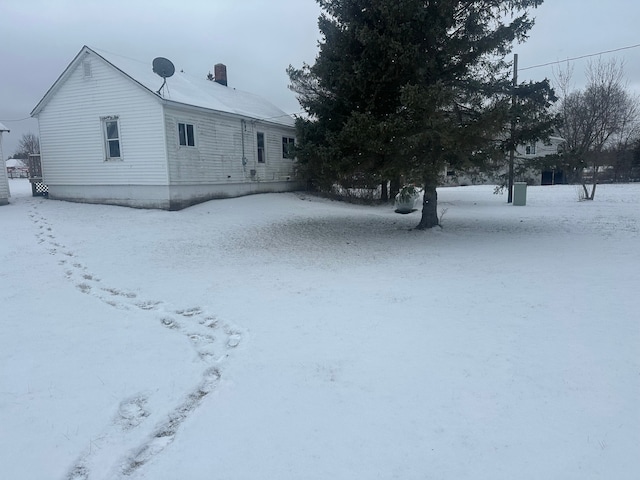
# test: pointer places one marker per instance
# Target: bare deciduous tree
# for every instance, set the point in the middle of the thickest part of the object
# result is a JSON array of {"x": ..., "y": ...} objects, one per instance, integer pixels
[
  {"x": 29, "y": 143},
  {"x": 622, "y": 144},
  {"x": 596, "y": 119}
]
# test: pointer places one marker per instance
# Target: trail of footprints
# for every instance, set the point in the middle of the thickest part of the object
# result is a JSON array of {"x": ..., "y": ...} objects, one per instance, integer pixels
[{"x": 210, "y": 338}]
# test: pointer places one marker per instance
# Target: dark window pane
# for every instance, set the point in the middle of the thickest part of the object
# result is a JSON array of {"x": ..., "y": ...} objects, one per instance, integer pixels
[
  {"x": 114, "y": 149},
  {"x": 288, "y": 145},
  {"x": 112, "y": 130},
  {"x": 190, "y": 138},
  {"x": 182, "y": 134},
  {"x": 260, "y": 139}
]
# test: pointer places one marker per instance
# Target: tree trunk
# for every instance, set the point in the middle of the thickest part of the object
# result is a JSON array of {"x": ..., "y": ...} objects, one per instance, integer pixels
[
  {"x": 587, "y": 195},
  {"x": 384, "y": 193},
  {"x": 395, "y": 187},
  {"x": 595, "y": 181},
  {"x": 585, "y": 190},
  {"x": 429, "y": 207}
]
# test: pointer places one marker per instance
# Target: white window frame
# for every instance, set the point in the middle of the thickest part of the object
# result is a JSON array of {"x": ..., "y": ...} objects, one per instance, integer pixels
[
  {"x": 262, "y": 148},
  {"x": 530, "y": 149},
  {"x": 186, "y": 135},
  {"x": 107, "y": 140}
]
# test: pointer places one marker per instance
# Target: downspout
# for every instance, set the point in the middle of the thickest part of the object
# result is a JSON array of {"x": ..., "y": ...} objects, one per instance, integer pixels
[{"x": 243, "y": 126}]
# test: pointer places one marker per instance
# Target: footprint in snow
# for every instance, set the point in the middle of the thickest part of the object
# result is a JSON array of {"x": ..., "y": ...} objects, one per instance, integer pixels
[
  {"x": 234, "y": 340},
  {"x": 209, "y": 322},
  {"x": 189, "y": 312},
  {"x": 115, "y": 291},
  {"x": 148, "y": 305},
  {"x": 199, "y": 340},
  {"x": 132, "y": 412},
  {"x": 166, "y": 432},
  {"x": 78, "y": 472},
  {"x": 169, "y": 323}
]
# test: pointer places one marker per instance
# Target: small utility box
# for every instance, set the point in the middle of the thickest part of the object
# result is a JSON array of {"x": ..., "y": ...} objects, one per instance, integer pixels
[{"x": 520, "y": 193}]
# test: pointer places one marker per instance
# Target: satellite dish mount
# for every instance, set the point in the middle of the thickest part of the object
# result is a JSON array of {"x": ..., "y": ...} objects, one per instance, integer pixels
[{"x": 164, "y": 68}]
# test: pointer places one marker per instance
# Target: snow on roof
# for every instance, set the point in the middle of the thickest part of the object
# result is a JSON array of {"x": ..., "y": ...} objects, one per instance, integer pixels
[
  {"x": 15, "y": 162},
  {"x": 184, "y": 89},
  {"x": 3, "y": 128}
]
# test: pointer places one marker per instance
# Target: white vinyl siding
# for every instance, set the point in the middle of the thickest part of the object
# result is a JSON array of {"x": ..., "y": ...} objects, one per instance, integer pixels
[
  {"x": 540, "y": 148},
  {"x": 4, "y": 182},
  {"x": 221, "y": 140},
  {"x": 72, "y": 132}
]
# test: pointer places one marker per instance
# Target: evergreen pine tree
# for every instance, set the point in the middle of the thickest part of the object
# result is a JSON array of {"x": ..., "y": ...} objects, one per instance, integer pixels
[{"x": 405, "y": 87}]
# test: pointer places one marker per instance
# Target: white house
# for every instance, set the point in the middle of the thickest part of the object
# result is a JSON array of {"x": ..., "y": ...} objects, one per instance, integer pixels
[
  {"x": 539, "y": 149},
  {"x": 16, "y": 168},
  {"x": 112, "y": 132},
  {"x": 524, "y": 154},
  {"x": 4, "y": 181}
]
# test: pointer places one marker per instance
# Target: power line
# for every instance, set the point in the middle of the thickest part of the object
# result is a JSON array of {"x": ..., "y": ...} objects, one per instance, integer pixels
[
  {"x": 17, "y": 120},
  {"x": 580, "y": 57}
]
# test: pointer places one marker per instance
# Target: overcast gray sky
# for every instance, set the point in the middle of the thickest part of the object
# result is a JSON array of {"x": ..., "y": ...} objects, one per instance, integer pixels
[{"x": 256, "y": 39}]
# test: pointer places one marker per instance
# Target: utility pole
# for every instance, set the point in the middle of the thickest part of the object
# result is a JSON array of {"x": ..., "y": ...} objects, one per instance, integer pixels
[{"x": 513, "y": 126}]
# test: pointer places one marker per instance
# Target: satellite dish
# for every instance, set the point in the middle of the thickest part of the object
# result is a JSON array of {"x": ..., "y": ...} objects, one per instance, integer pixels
[{"x": 163, "y": 67}]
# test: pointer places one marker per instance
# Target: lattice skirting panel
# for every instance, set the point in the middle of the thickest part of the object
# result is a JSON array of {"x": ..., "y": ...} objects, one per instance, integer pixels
[{"x": 39, "y": 189}]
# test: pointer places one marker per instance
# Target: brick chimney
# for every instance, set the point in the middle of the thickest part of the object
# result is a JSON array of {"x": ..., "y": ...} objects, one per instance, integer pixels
[{"x": 220, "y": 73}]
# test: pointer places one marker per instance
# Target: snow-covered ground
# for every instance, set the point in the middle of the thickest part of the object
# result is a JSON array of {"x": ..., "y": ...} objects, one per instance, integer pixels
[{"x": 288, "y": 337}]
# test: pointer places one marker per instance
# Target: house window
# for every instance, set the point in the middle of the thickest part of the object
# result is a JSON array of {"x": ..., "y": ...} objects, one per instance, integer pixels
[
  {"x": 86, "y": 69},
  {"x": 111, "y": 131},
  {"x": 186, "y": 135},
  {"x": 530, "y": 149},
  {"x": 288, "y": 145},
  {"x": 261, "y": 151}
]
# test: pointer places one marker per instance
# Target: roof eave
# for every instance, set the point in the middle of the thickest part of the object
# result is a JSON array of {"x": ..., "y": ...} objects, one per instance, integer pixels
[{"x": 173, "y": 103}]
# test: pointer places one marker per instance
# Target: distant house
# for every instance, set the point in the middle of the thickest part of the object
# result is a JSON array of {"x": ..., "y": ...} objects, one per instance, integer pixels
[
  {"x": 4, "y": 181},
  {"x": 16, "y": 168},
  {"x": 539, "y": 149},
  {"x": 523, "y": 155},
  {"x": 111, "y": 132}
]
